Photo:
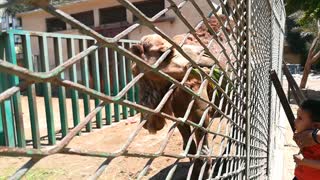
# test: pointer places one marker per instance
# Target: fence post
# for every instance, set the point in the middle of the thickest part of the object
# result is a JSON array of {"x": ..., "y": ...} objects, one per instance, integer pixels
[
  {"x": 6, "y": 106},
  {"x": 248, "y": 102},
  {"x": 116, "y": 86},
  {"x": 106, "y": 82},
  {"x": 43, "y": 44},
  {"x": 73, "y": 78},
  {"x": 31, "y": 93},
  {"x": 85, "y": 73},
  {"x": 2, "y": 133},
  {"x": 16, "y": 99},
  {"x": 57, "y": 43}
]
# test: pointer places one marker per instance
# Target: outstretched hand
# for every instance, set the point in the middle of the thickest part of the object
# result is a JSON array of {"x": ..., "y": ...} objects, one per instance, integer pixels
[
  {"x": 298, "y": 159},
  {"x": 304, "y": 139}
]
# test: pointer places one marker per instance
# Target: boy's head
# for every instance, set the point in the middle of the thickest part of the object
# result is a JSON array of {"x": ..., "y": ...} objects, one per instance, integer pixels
[{"x": 308, "y": 115}]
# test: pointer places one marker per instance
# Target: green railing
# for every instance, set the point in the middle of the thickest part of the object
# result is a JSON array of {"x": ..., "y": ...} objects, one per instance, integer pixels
[{"x": 103, "y": 70}]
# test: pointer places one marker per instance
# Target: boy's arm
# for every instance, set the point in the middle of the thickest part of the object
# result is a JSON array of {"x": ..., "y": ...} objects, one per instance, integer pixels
[
  {"x": 311, "y": 163},
  {"x": 300, "y": 160},
  {"x": 305, "y": 139}
]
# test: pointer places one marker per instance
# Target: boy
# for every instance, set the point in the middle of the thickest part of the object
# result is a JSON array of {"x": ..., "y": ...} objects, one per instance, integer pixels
[{"x": 308, "y": 160}]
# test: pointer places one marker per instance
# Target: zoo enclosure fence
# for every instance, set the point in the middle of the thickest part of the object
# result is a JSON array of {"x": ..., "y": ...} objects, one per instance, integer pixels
[{"x": 256, "y": 43}]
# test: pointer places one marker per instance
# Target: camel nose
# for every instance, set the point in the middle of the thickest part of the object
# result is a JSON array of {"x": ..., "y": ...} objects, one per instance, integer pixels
[{"x": 151, "y": 131}]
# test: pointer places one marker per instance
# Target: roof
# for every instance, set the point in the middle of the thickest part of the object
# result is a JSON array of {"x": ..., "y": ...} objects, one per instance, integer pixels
[{"x": 56, "y": 4}]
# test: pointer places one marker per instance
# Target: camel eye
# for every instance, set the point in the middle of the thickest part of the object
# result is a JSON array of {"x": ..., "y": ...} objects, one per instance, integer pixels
[{"x": 146, "y": 47}]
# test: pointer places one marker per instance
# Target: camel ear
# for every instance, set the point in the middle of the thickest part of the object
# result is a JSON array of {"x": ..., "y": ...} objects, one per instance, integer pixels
[{"x": 137, "y": 49}]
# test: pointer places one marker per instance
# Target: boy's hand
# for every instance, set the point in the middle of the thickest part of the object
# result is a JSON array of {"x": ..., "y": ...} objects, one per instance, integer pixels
[
  {"x": 298, "y": 159},
  {"x": 304, "y": 139}
]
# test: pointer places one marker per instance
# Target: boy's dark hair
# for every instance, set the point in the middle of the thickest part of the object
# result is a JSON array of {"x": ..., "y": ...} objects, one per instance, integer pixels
[{"x": 312, "y": 106}]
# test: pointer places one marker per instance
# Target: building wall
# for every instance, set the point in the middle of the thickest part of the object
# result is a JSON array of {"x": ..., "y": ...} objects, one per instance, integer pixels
[{"x": 36, "y": 21}]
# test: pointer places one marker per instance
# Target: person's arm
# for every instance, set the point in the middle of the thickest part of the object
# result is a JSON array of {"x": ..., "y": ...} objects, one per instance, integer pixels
[
  {"x": 305, "y": 139},
  {"x": 300, "y": 160}
]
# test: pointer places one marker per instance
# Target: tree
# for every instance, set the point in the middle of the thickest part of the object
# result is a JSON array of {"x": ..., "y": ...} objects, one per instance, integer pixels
[
  {"x": 19, "y": 7},
  {"x": 313, "y": 57},
  {"x": 310, "y": 8},
  {"x": 309, "y": 19}
]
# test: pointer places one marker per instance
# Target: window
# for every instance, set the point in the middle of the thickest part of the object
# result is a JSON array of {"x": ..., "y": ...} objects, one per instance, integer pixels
[
  {"x": 85, "y": 17},
  {"x": 55, "y": 24},
  {"x": 113, "y": 15},
  {"x": 150, "y": 7}
]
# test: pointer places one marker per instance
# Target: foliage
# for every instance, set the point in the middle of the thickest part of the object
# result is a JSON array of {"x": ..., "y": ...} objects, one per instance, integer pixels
[
  {"x": 310, "y": 8},
  {"x": 296, "y": 42},
  {"x": 18, "y": 8}
]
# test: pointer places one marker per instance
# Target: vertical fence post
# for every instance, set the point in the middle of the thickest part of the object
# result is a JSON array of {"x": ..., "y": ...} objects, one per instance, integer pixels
[
  {"x": 31, "y": 93},
  {"x": 43, "y": 44},
  {"x": 96, "y": 80},
  {"x": 85, "y": 80},
  {"x": 116, "y": 86},
  {"x": 57, "y": 43},
  {"x": 130, "y": 77},
  {"x": 73, "y": 77},
  {"x": 6, "y": 106},
  {"x": 16, "y": 99},
  {"x": 248, "y": 88},
  {"x": 2, "y": 138},
  {"x": 123, "y": 76},
  {"x": 2, "y": 118},
  {"x": 271, "y": 110},
  {"x": 106, "y": 82}
]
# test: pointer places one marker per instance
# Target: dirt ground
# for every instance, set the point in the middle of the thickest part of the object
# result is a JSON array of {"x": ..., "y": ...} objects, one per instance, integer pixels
[
  {"x": 108, "y": 139},
  {"x": 112, "y": 138}
]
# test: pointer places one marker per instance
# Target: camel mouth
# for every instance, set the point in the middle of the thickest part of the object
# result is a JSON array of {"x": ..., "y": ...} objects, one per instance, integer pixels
[{"x": 153, "y": 132}]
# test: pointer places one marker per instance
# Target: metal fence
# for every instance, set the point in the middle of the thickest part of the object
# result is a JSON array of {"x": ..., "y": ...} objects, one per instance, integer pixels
[
  {"x": 249, "y": 42},
  {"x": 43, "y": 52}
]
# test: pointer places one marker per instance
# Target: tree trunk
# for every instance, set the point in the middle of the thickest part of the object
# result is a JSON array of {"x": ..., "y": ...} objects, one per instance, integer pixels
[{"x": 313, "y": 56}]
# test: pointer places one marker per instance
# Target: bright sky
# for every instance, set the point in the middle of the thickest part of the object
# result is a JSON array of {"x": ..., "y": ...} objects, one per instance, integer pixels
[{"x": 1, "y": 10}]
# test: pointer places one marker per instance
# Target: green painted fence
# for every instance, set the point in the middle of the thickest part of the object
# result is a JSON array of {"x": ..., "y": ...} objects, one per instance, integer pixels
[{"x": 103, "y": 70}]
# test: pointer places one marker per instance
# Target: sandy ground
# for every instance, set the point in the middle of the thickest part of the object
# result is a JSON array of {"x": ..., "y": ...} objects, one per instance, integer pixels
[
  {"x": 112, "y": 138},
  {"x": 108, "y": 139}
]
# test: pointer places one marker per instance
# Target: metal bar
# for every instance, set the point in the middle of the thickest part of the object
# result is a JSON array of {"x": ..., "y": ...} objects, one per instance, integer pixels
[
  {"x": 31, "y": 93},
  {"x": 16, "y": 100},
  {"x": 2, "y": 118},
  {"x": 8, "y": 126},
  {"x": 97, "y": 86},
  {"x": 299, "y": 97},
  {"x": 115, "y": 91},
  {"x": 58, "y": 35},
  {"x": 283, "y": 99},
  {"x": 106, "y": 82},
  {"x": 123, "y": 81},
  {"x": 61, "y": 90},
  {"x": 101, "y": 169},
  {"x": 248, "y": 90},
  {"x": 24, "y": 169},
  {"x": 85, "y": 80},
  {"x": 131, "y": 95},
  {"x": 2, "y": 132},
  {"x": 43, "y": 45},
  {"x": 74, "y": 78},
  {"x": 6, "y": 108}
]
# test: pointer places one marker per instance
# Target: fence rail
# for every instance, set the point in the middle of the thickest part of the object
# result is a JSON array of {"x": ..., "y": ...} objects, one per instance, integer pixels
[
  {"x": 243, "y": 45},
  {"x": 37, "y": 44}
]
